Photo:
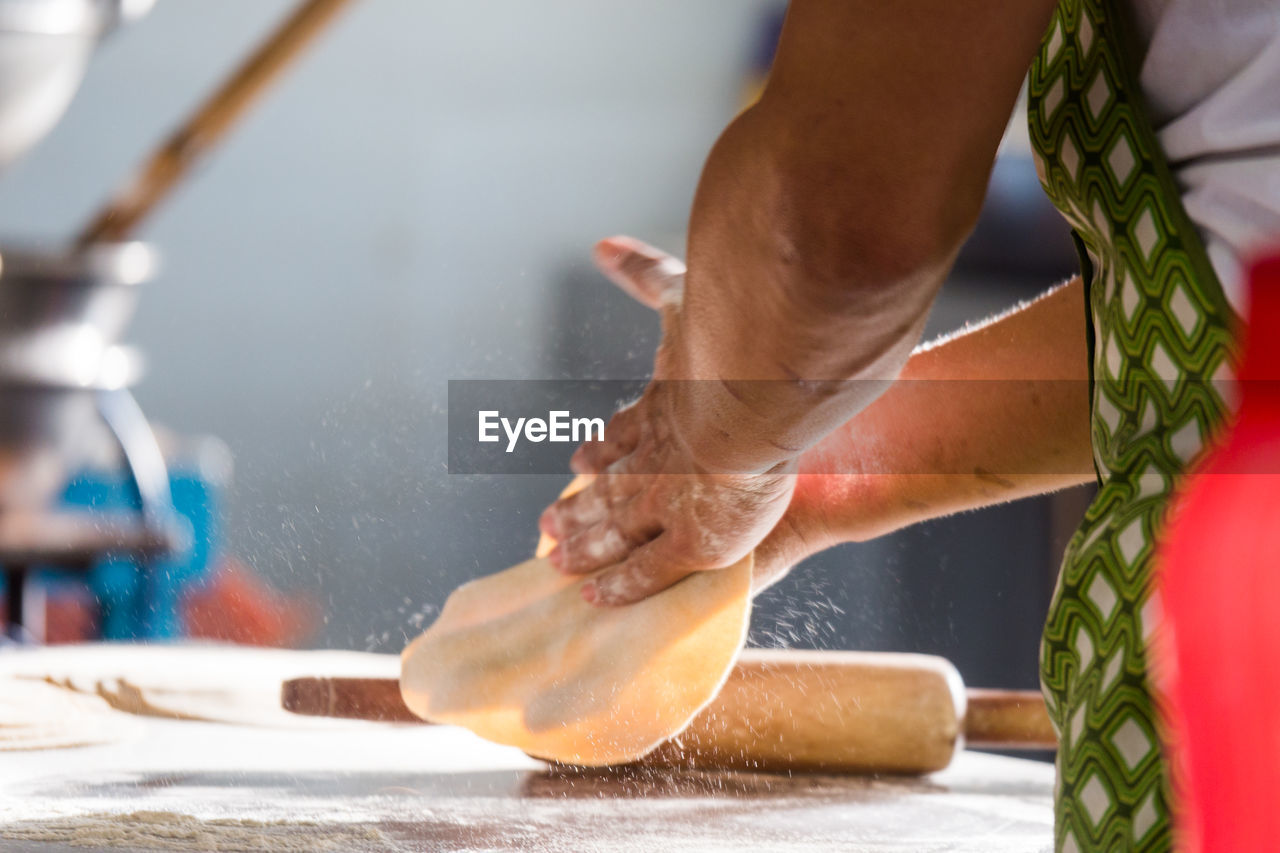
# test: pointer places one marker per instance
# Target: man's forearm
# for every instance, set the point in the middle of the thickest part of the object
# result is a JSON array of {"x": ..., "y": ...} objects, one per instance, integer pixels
[
  {"x": 986, "y": 417},
  {"x": 828, "y": 215},
  {"x": 842, "y": 299},
  {"x": 824, "y": 223}
]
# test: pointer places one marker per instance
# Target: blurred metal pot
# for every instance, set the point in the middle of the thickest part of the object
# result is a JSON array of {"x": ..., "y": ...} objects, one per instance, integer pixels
[
  {"x": 39, "y": 431},
  {"x": 61, "y": 315},
  {"x": 44, "y": 49},
  {"x": 62, "y": 311},
  {"x": 47, "y": 432}
]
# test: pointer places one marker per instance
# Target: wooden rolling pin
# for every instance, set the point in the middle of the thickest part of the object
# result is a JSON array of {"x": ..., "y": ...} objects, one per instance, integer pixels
[{"x": 834, "y": 712}]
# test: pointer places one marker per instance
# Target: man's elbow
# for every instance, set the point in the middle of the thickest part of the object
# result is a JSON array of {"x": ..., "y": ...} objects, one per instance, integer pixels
[{"x": 847, "y": 238}]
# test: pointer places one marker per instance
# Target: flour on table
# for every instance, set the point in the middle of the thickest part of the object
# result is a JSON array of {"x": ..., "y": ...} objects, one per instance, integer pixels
[
  {"x": 38, "y": 715},
  {"x": 197, "y": 682},
  {"x": 156, "y": 830}
]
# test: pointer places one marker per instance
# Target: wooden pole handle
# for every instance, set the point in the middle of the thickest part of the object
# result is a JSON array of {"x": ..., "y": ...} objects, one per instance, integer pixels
[{"x": 208, "y": 124}]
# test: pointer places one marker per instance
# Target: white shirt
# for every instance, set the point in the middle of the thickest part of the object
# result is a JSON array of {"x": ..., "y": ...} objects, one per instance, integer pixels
[{"x": 1211, "y": 78}]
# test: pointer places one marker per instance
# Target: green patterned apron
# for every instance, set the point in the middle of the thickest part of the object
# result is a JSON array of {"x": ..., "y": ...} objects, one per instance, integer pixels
[{"x": 1160, "y": 331}]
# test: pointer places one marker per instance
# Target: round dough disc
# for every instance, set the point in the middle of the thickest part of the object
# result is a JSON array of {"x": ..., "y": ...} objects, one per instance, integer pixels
[{"x": 520, "y": 659}]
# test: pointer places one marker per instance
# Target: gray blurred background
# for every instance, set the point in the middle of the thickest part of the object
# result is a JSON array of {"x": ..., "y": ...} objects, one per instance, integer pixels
[{"x": 415, "y": 203}]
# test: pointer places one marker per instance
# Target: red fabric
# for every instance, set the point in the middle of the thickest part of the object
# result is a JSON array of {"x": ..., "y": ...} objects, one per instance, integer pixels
[
  {"x": 237, "y": 606},
  {"x": 1219, "y": 657},
  {"x": 71, "y": 615}
]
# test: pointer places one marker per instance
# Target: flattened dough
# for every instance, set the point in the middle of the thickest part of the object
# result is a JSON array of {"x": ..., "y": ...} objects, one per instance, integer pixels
[{"x": 519, "y": 658}]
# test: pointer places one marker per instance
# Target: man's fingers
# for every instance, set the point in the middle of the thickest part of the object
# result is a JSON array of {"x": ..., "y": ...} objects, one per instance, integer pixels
[
  {"x": 620, "y": 438},
  {"x": 649, "y": 569},
  {"x": 648, "y": 275},
  {"x": 572, "y": 515},
  {"x": 595, "y": 457},
  {"x": 606, "y": 543}
]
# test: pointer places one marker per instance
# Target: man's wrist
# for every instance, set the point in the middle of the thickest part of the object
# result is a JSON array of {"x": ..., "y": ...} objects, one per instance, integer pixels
[{"x": 725, "y": 428}]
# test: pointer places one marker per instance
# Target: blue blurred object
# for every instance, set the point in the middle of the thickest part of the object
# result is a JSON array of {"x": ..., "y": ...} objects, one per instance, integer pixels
[
  {"x": 139, "y": 600},
  {"x": 768, "y": 32}
]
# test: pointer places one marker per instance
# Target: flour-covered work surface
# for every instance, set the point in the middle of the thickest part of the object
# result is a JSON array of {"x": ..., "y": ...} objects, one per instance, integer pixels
[{"x": 196, "y": 784}]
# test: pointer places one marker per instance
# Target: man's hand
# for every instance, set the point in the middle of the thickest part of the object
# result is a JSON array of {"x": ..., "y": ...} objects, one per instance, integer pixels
[
  {"x": 654, "y": 513},
  {"x": 1009, "y": 418},
  {"x": 826, "y": 218}
]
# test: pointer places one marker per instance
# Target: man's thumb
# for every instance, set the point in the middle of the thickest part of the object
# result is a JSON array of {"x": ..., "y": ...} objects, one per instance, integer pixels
[{"x": 648, "y": 275}]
